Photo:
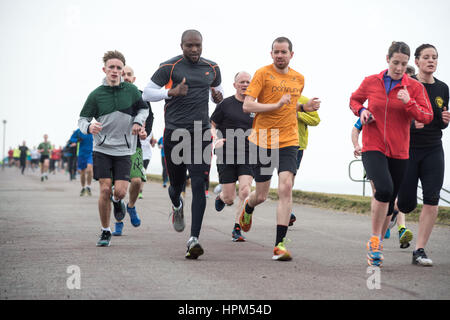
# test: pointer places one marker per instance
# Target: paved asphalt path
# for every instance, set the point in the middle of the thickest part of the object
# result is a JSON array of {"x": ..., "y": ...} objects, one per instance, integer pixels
[{"x": 46, "y": 227}]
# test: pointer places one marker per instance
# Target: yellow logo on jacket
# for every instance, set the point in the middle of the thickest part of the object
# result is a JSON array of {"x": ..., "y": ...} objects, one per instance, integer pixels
[{"x": 439, "y": 102}]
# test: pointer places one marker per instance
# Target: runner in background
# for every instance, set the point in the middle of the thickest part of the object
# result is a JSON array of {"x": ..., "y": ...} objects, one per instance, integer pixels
[{"x": 304, "y": 120}]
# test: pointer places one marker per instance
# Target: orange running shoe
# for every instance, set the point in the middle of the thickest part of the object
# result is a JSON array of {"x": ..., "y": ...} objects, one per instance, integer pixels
[
  {"x": 245, "y": 219},
  {"x": 280, "y": 253},
  {"x": 374, "y": 252}
]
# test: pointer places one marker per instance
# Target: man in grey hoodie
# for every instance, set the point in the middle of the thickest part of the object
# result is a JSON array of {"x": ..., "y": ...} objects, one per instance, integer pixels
[{"x": 120, "y": 114}]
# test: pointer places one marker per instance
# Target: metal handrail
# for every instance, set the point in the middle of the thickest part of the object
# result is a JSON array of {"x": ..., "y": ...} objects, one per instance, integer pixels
[
  {"x": 364, "y": 180},
  {"x": 439, "y": 196}
]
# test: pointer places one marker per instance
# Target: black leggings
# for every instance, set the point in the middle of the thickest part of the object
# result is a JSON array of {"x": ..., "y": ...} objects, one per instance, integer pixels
[
  {"x": 198, "y": 168},
  {"x": 386, "y": 174},
  {"x": 426, "y": 164}
]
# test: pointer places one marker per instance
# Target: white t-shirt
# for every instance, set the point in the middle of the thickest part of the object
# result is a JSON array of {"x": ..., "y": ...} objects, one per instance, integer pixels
[
  {"x": 35, "y": 154},
  {"x": 146, "y": 147}
]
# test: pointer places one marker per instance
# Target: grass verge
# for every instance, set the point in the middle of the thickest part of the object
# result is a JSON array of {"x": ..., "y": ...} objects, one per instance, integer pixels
[{"x": 340, "y": 202}]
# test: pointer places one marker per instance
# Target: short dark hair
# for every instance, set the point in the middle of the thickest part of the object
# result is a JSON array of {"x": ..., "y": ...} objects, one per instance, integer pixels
[
  {"x": 187, "y": 32},
  {"x": 113, "y": 55},
  {"x": 410, "y": 70},
  {"x": 399, "y": 47},
  {"x": 281, "y": 40},
  {"x": 421, "y": 48}
]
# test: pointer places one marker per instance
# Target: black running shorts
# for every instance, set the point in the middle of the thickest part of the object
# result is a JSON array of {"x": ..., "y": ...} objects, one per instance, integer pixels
[
  {"x": 283, "y": 159},
  {"x": 111, "y": 167}
]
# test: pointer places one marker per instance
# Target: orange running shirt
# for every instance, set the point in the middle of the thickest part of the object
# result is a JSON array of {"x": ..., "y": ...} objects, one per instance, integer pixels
[{"x": 268, "y": 86}]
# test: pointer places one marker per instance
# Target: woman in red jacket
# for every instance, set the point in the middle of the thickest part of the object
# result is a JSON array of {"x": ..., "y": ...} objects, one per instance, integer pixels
[{"x": 394, "y": 100}]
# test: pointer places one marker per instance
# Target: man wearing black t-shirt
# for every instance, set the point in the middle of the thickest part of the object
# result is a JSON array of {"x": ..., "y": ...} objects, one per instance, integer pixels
[
  {"x": 230, "y": 128},
  {"x": 23, "y": 156},
  {"x": 185, "y": 82}
]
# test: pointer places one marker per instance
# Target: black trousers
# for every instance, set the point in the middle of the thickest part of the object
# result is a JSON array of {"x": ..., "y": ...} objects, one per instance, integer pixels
[
  {"x": 426, "y": 164},
  {"x": 386, "y": 174},
  {"x": 193, "y": 153}
]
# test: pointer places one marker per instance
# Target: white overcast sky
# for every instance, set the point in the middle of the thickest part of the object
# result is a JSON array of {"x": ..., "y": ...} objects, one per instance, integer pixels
[{"x": 51, "y": 60}]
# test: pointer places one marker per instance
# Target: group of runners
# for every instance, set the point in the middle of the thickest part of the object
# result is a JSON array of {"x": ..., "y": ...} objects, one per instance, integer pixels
[
  {"x": 261, "y": 127},
  {"x": 46, "y": 157}
]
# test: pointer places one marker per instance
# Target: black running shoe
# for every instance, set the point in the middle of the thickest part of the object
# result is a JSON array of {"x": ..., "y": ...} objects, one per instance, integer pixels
[
  {"x": 105, "y": 239},
  {"x": 292, "y": 219},
  {"x": 219, "y": 203},
  {"x": 420, "y": 258},
  {"x": 194, "y": 249},
  {"x": 120, "y": 209}
]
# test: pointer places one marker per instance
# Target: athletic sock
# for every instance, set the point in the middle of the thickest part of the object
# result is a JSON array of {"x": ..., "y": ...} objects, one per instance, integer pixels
[
  {"x": 237, "y": 226},
  {"x": 281, "y": 233},
  {"x": 106, "y": 229},
  {"x": 248, "y": 209}
]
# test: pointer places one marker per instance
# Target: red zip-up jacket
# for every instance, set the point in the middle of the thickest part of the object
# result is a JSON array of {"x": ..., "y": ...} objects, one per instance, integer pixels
[{"x": 389, "y": 133}]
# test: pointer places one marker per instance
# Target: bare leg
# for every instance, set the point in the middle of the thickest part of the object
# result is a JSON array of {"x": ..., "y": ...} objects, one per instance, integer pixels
[
  {"x": 284, "y": 208},
  {"x": 104, "y": 202},
  {"x": 135, "y": 186},
  {"x": 378, "y": 212},
  {"x": 245, "y": 183},
  {"x": 83, "y": 178},
  {"x": 426, "y": 222}
]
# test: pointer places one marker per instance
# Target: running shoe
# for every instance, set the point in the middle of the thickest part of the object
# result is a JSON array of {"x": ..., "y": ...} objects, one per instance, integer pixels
[
  {"x": 388, "y": 234},
  {"x": 206, "y": 193},
  {"x": 119, "y": 209},
  {"x": 178, "y": 217},
  {"x": 236, "y": 235},
  {"x": 88, "y": 191},
  {"x": 280, "y": 253},
  {"x": 140, "y": 196},
  {"x": 194, "y": 249},
  {"x": 219, "y": 203},
  {"x": 245, "y": 219},
  {"x": 105, "y": 239},
  {"x": 393, "y": 219},
  {"x": 292, "y": 219},
  {"x": 118, "y": 229},
  {"x": 134, "y": 217},
  {"x": 405, "y": 236},
  {"x": 83, "y": 192},
  {"x": 420, "y": 258},
  {"x": 42, "y": 179},
  {"x": 374, "y": 252}
]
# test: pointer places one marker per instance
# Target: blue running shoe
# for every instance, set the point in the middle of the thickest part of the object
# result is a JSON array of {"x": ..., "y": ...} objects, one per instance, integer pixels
[
  {"x": 388, "y": 234},
  {"x": 118, "y": 229},
  {"x": 135, "y": 221}
]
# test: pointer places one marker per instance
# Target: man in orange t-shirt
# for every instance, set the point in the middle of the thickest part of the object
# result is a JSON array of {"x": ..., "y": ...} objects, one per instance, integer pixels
[{"x": 273, "y": 95}]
